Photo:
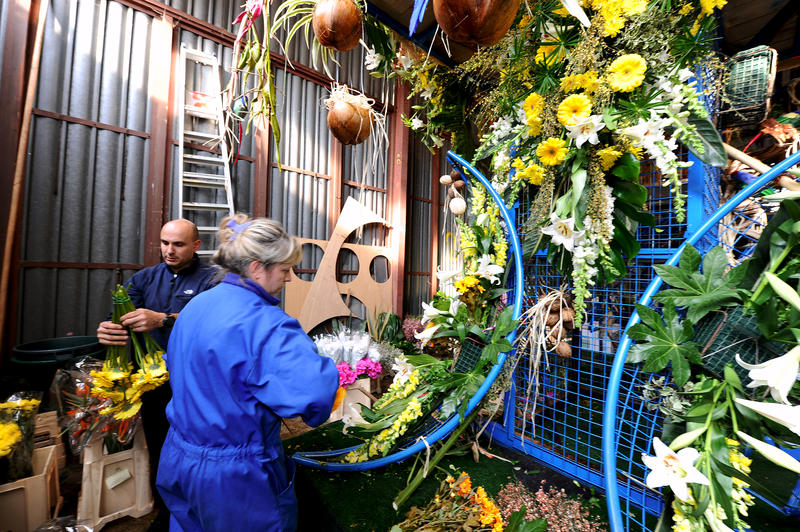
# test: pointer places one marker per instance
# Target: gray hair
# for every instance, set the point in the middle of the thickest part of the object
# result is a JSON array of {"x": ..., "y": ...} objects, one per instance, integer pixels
[{"x": 244, "y": 240}]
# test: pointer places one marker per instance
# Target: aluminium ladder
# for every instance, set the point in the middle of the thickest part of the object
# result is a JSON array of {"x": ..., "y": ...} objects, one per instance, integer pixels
[{"x": 204, "y": 189}]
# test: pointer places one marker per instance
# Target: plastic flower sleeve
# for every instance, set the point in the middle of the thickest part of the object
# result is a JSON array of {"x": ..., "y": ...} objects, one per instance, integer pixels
[{"x": 19, "y": 410}]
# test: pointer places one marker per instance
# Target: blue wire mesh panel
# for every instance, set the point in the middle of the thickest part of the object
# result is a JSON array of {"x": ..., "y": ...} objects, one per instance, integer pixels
[{"x": 629, "y": 422}]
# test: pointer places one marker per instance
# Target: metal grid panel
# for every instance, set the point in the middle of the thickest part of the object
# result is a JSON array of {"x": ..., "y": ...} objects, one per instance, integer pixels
[
  {"x": 567, "y": 421},
  {"x": 564, "y": 430}
]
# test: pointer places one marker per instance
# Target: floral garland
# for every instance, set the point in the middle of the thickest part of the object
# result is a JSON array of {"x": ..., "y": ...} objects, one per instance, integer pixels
[{"x": 579, "y": 107}]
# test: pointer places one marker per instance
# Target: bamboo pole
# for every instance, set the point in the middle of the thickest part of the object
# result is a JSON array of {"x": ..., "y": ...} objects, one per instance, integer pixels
[
  {"x": 19, "y": 167},
  {"x": 762, "y": 168}
]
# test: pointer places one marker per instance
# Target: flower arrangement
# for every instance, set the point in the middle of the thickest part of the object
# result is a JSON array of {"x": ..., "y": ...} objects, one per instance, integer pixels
[
  {"x": 83, "y": 413},
  {"x": 17, "y": 419},
  {"x": 117, "y": 381},
  {"x": 578, "y": 108},
  {"x": 456, "y": 506}
]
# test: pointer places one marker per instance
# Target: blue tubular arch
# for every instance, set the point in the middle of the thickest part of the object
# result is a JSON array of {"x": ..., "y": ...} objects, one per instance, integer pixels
[
  {"x": 319, "y": 459},
  {"x": 609, "y": 442}
]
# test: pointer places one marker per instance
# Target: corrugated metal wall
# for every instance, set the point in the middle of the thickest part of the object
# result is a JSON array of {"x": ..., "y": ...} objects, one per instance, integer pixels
[
  {"x": 86, "y": 181},
  {"x": 419, "y": 228},
  {"x": 3, "y": 24}
]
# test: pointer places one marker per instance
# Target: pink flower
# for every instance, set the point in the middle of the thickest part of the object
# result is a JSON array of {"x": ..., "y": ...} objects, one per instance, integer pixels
[
  {"x": 252, "y": 10},
  {"x": 347, "y": 375},
  {"x": 371, "y": 368}
]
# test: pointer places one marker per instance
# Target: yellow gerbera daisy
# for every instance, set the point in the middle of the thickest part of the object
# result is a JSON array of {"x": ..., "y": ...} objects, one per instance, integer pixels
[
  {"x": 627, "y": 72},
  {"x": 533, "y": 105},
  {"x": 574, "y": 107},
  {"x": 552, "y": 151}
]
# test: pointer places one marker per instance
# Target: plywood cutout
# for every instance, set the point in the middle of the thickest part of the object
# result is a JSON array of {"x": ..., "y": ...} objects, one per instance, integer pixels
[{"x": 313, "y": 302}]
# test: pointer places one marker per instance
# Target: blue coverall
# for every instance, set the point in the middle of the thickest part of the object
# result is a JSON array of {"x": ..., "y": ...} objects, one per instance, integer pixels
[{"x": 237, "y": 365}]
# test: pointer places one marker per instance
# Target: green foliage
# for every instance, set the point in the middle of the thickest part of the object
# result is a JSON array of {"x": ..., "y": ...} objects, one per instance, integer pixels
[
  {"x": 713, "y": 152},
  {"x": 700, "y": 292},
  {"x": 517, "y": 523},
  {"x": 666, "y": 341}
]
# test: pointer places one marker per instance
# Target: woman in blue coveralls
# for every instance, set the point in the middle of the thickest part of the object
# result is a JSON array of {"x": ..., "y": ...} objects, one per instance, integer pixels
[{"x": 237, "y": 365}]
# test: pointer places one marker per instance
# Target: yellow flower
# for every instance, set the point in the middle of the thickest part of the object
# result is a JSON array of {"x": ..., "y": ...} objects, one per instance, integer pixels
[
  {"x": 627, "y": 72},
  {"x": 534, "y": 126},
  {"x": 552, "y": 151},
  {"x": 574, "y": 108},
  {"x": 549, "y": 54},
  {"x": 685, "y": 9},
  {"x": 570, "y": 83},
  {"x": 467, "y": 283},
  {"x": 707, "y": 6},
  {"x": 10, "y": 434},
  {"x": 533, "y": 104},
  {"x": 589, "y": 81},
  {"x": 608, "y": 156}
]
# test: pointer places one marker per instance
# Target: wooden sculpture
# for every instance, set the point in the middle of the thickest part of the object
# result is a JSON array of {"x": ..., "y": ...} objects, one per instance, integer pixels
[{"x": 313, "y": 302}]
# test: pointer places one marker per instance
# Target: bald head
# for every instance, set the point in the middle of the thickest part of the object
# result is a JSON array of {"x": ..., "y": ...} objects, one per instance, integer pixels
[{"x": 180, "y": 240}]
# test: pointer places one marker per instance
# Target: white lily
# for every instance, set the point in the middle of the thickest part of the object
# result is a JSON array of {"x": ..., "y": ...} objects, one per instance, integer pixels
[
  {"x": 562, "y": 232},
  {"x": 487, "y": 270},
  {"x": 676, "y": 470},
  {"x": 586, "y": 130},
  {"x": 372, "y": 59},
  {"x": 445, "y": 276},
  {"x": 426, "y": 335},
  {"x": 779, "y": 374},
  {"x": 429, "y": 312},
  {"x": 403, "y": 370},
  {"x": 454, "y": 304},
  {"x": 772, "y": 453},
  {"x": 574, "y": 9},
  {"x": 416, "y": 124},
  {"x": 786, "y": 415},
  {"x": 351, "y": 419},
  {"x": 714, "y": 522}
]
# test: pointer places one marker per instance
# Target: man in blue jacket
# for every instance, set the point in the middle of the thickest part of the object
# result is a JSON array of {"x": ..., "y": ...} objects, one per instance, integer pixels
[{"x": 159, "y": 293}]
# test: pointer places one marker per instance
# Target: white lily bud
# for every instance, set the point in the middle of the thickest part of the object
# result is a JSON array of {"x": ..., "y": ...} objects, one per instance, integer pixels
[{"x": 771, "y": 452}]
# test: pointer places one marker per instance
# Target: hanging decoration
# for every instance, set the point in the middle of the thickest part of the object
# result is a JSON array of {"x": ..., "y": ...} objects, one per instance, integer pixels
[
  {"x": 350, "y": 114},
  {"x": 481, "y": 22},
  {"x": 337, "y": 24}
]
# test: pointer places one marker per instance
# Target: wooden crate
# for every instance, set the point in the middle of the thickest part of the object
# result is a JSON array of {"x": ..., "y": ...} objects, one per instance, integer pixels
[
  {"x": 27, "y": 503},
  {"x": 46, "y": 432},
  {"x": 114, "y": 485}
]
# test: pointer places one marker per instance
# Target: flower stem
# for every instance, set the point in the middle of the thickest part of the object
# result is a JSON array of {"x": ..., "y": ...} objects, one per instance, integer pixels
[{"x": 403, "y": 496}]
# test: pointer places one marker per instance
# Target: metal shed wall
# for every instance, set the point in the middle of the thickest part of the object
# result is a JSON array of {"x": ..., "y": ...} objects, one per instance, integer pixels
[{"x": 86, "y": 177}]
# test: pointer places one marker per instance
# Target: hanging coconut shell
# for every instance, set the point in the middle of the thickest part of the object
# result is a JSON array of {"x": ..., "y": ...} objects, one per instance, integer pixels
[
  {"x": 458, "y": 206},
  {"x": 337, "y": 24},
  {"x": 445, "y": 180},
  {"x": 475, "y": 22},
  {"x": 459, "y": 184},
  {"x": 349, "y": 122}
]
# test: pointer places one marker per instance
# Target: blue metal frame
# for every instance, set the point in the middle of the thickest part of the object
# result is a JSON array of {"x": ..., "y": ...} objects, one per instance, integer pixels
[
  {"x": 610, "y": 439},
  {"x": 308, "y": 458}
]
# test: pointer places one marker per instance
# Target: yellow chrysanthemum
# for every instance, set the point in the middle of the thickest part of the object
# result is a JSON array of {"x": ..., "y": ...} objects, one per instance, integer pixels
[
  {"x": 534, "y": 126},
  {"x": 627, "y": 72},
  {"x": 589, "y": 81},
  {"x": 608, "y": 156},
  {"x": 574, "y": 108},
  {"x": 686, "y": 9},
  {"x": 10, "y": 435},
  {"x": 552, "y": 151},
  {"x": 468, "y": 283}
]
